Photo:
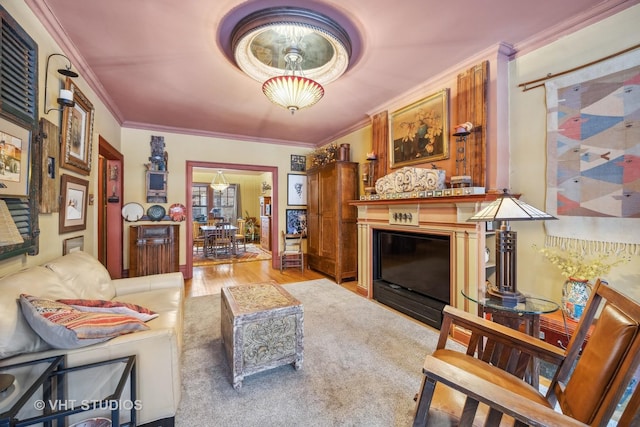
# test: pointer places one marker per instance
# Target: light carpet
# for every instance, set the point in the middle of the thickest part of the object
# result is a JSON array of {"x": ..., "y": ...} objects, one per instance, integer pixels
[
  {"x": 362, "y": 366},
  {"x": 253, "y": 253}
]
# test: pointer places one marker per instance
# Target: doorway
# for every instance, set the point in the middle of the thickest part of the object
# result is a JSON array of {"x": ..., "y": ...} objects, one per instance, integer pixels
[
  {"x": 190, "y": 166},
  {"x": 110, "y": 162}
]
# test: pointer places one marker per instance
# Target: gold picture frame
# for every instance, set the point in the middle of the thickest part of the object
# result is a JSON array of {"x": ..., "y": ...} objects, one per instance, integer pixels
[
  {"x": 419, "y": 132},
  {"x": 77, "y": 132},
  {"x": 73, "y": 207}
]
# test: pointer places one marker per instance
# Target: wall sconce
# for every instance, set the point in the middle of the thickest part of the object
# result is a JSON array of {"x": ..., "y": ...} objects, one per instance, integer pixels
[
  {"x": 65, "y": 98},
  {"x": 461, "y": 177}
]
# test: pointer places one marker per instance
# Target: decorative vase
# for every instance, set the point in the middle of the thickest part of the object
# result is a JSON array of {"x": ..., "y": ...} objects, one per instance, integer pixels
[{"x": 575, "y": 294}]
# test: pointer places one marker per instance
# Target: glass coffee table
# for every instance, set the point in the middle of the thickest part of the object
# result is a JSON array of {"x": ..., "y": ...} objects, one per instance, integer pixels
[
  {"x": 46, "y": 392},
  {"x": 526, "y": 313}
]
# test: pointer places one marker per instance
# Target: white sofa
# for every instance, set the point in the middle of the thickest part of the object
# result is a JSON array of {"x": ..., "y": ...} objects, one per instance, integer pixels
[{"x": 81, "y": 276}]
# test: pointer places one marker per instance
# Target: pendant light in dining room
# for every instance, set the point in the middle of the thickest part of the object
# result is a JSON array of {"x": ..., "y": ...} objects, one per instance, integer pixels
[{"x": 219, "y": 182}]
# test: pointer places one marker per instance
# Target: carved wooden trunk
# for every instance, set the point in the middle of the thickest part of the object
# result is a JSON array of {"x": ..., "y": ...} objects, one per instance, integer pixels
[
  {"x": 153, "y": 249},
  {"x": 262, "y": 328}
]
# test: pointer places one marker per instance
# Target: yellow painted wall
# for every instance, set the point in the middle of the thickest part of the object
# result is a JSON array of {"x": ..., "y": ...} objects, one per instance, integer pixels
[
  {"x": 104, "y": 124},
  {"x": 528, "y": 142}
]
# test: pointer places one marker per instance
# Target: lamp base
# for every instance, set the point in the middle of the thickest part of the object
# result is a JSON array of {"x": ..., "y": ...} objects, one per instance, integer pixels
[{"x": 508, "y": 299}]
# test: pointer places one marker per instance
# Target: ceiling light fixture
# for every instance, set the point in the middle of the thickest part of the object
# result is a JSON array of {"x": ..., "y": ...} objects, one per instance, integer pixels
[
  {"x": 65, "y": 98},
  {"x": 292, "y": 91},
  {"x": 219, "y": 182},
  {"x": 293, "y": 51}
]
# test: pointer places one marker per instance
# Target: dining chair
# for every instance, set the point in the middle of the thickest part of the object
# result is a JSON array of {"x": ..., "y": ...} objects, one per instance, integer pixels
[
  {"x": 222, "y": 239},
  {"x": 485, "y": 385},
  {"x": 240, "y": 236},
  {"x": 291, "y": 254},
  {"x": 215, "y": 220},
  {"x": 198, "y": 237}
]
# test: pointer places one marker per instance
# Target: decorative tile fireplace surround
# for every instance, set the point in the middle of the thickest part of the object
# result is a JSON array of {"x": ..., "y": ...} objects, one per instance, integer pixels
[{"x": 439, "y": 215}]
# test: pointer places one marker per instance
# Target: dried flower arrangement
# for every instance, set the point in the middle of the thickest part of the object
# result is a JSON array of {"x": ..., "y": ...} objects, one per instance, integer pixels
[
  {"x": 577, "y": 264},
  {"x": 324, "y": 155}
]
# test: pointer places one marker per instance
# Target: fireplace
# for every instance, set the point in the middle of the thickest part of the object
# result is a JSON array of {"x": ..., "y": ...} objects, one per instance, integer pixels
[
  {"x": 411, "y": 273},
  {"x": 443, "y": 218}
]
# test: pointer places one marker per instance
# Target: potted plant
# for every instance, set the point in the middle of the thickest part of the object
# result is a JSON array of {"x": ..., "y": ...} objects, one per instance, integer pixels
[{"x": 579, "y": 268}]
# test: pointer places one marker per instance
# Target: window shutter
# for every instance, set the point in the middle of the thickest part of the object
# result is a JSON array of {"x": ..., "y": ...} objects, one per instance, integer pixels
[{"x": 18, "y": 84}]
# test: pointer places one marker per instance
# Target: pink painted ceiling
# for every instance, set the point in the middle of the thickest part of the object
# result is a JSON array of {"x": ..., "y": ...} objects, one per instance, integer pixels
[{"x": 161, "y": 64}]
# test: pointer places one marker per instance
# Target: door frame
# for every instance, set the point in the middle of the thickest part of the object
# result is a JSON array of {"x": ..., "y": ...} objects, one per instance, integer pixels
[
  {"x": 189, "y": 166},
  {"x": 110, "y": 227}
]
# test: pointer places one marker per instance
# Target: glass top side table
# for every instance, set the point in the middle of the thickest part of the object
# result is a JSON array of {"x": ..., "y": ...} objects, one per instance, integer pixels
[
  {"x": 16, "y": 402},
  {"x": 531, "y": 305},
  {"x": 527, "y": 313}
]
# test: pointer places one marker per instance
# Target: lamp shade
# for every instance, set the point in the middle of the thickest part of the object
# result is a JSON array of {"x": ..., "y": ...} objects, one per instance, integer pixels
[
  {"x": 219, "y": 182},
  {"x": 292, "y": 92},
  {"x": 508, "y": 208}
]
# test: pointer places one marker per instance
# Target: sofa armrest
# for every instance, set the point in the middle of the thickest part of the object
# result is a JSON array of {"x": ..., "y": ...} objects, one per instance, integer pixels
[{"x": 147, "y": 283}]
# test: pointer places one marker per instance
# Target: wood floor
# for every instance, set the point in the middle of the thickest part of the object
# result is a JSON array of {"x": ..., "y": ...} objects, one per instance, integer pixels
[{"x": 210, "y": 279}]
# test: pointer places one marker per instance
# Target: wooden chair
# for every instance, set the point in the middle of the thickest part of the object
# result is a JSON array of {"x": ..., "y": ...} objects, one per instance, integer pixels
[
  {"x": 215, "y": 220},
  {"x": 487, "y": 381},
  {"x": 291, "y": 254},
  {"x": 198, "y": 237},
  {"x": 240, "y": 236},
  {"x": 222, "y": 240}
]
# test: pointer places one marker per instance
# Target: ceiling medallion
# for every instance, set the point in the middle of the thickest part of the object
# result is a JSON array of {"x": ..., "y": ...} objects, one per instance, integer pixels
[{"x": 293, "y": 52}]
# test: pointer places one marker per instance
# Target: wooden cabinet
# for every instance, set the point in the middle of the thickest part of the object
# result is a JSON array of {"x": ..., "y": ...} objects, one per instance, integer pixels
[
  {"x": 265, "y": 206},
  {"x": 265, "y": 232},
  {"x": 265, "y": 222},
  {"x": 332, "y": 245},
  {"x": 153, "y": 249}
]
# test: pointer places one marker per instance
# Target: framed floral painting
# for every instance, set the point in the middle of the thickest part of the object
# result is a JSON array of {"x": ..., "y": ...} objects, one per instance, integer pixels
[{"x": 419, "y": 133}]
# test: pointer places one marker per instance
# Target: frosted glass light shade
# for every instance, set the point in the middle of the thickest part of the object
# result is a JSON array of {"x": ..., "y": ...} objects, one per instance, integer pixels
[{"x": 293, "y": 92}]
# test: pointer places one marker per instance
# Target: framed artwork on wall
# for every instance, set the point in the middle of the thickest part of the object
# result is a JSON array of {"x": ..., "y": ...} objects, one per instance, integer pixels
[
  {"x": 298, "y": 163},
  {"x": 77, "y": 132},
  {"x": 419, "y": 133},
  {"x": 296, "y": 190},
  {"x": 15, "y": 143},
  {"x": 72, "y": 244},
  {"x": 297, "y": 221},
  {"x": 73, "y": 208}
]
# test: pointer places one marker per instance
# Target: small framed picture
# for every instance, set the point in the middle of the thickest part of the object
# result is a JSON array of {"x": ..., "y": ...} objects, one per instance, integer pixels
[
  {"x": 72, "y": 244},
  {"x": 298, "y": 163},
  {"x": 73, "y": 208},
  {"x": 296, "y": 190},
  {"x": 490, "y": 226},
  {"x": 297, "y": 222}
]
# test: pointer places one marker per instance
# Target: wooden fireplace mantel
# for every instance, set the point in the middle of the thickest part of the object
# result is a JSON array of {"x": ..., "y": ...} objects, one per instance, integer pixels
[{"x": 446, "y": 215}]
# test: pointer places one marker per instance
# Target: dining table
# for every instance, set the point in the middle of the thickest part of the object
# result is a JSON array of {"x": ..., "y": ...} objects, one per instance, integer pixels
[{"x": 208, "y": 231}]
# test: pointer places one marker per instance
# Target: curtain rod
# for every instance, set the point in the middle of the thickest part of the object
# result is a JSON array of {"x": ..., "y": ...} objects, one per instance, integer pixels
[{"x": 551, "y": 76}]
